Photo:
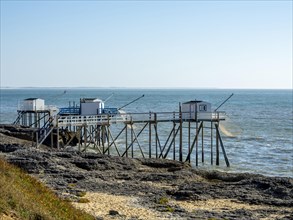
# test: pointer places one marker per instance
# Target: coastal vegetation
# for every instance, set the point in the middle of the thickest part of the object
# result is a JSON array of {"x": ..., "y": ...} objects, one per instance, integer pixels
[{"x": 23, "y": 197}]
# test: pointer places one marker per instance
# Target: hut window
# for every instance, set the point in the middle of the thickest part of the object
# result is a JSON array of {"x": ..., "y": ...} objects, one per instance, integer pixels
[{"x": 202, "y": 107}]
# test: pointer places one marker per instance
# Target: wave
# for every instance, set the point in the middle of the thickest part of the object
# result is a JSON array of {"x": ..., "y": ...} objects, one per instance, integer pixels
[{"x": 253, "y": 138}]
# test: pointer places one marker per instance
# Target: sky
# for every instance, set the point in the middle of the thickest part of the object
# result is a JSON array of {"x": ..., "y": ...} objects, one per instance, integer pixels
[{"x": 147, "y": 44}]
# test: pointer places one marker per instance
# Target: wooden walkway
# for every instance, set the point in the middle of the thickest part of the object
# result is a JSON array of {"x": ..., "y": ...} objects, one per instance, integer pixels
[{"x": 153, "y": 134}]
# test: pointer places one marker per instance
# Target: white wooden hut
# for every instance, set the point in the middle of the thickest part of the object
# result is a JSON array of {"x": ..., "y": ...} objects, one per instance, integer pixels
[
  {"x": 196, "y": 110},
  {"x": 91, "y": 106},
  {"x": 32, "y": 104}
]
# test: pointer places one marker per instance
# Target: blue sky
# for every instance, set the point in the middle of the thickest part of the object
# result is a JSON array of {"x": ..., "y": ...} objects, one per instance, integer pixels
[{"x": 174, "y": 44}]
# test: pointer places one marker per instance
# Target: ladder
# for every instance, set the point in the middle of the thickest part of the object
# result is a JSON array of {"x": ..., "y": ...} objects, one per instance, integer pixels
[
  {"x": 18, "y": 118},
  {"x": 44, "y": 131}
]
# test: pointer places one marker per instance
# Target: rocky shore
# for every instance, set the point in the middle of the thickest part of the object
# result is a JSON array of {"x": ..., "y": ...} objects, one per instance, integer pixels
[{"x": 111, "y": 187}]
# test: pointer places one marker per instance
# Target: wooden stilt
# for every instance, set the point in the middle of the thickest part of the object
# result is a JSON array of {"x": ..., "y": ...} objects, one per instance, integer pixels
[
  {"x": 174, "y": 137},
  {"x": 172, "y": 143},
  {"x": 132, "y": 155},
  {"x": 212, "y": 143},
  {"x": 58, "y": 144},
  {"x": 202, "y": 140},
  {"x": 222, "y": 146},
  {"x": 189, "y": 140},
  {"x": 85, "y": 137},
  {"x": 79, "y": 139},
  {"x": 180, "y": 135},
  {"x": 52, "y": 140},
  {"x": 156, "y": 133},
  {"x": 113, "y": 142},
  {"x": 108, "y": 139},
  {"x": 126, "y": 144},
  {"x": 196, "y": 144},
  {"x": 166, "y": 143},
  {"x": 217, "y": 147},
  {"x": 150, "y": 135},
  {"x": 37, "y": 138},
  {"x": 103, "y": 138},
  {"x": 194, "y": 141}
]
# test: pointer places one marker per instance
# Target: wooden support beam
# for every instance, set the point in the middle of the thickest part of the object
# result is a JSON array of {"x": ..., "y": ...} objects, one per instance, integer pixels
[
  {"x": 212, "y": 143},
  {"x": 85, "y": 137},
  {"x": 172, "y": 131},
  {"x": 222, "y": 146},
  {"x": 189, "y": 140},
  {"x": 131, "y": 138},
  {"x": 150, "y": 135},
  {"x": 136, "y": 139},
  {"x": 174, "y": 136},
  {"x": 79, "y": 139},
  {"x": 193, "y": 143},
  {"x": 202, "y": 140},
  {"x": 108, "y": 139},
  {"x": 43, "y": 139},
  {"x": 126, "y": 148},
  {"x": 217, "y": 147},
  {"x": 156, "y": 133},
  {"x": 158, "y": 143},
  {"x": 196, "y": 143},
  {"x": 180, "y": 137},
  {"x": 73, "y": 136},
  {"x": 118, "y": 135},
  {"x": 172, "y": 142}
]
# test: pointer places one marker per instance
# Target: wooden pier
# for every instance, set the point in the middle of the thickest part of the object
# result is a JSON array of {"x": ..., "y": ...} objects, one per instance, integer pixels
[{"x": 151, "y": 134}]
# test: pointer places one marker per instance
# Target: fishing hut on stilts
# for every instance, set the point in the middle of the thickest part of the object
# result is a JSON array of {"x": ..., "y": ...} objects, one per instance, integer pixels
[{"x": 186, "y": 135}]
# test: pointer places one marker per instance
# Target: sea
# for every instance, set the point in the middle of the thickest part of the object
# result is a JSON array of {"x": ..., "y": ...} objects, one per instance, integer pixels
[{"x": 257, "y": 133}]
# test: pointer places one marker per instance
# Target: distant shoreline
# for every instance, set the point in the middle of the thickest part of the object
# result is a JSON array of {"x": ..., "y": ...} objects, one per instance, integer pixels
[{"x": 145, "y": 88}]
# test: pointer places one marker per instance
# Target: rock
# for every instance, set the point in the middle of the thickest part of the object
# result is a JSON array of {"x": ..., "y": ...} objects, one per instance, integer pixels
[
  {"x": 64, "y": 154},
  {"x": 86, "y": 165},
  {"x": 113, "y": 212},
  {"x": 162, "y": 163},
  {"x": 7, "y": 148},
  {"x": 18, "y": 131},
  {"x": 184, "y": 194}
]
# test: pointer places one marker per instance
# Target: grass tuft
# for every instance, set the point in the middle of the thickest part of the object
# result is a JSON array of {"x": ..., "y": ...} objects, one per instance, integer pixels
[
  {"x": 169, "y": 209},
  {"x": 81, "y": 194},
  {"x": 28, "y": 198},
  {"x": 163, "y": 201},
  {"x": 83, "y": 200}
]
